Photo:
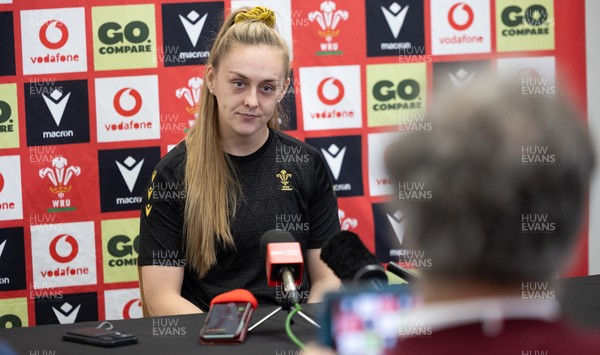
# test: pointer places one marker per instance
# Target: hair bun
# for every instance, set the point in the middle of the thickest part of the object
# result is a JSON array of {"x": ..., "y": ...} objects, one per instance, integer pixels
[{"x": 258, "y": 13}]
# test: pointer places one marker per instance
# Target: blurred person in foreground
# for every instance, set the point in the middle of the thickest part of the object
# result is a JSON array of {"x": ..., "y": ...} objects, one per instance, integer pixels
[{"x": 487, "y": 291}]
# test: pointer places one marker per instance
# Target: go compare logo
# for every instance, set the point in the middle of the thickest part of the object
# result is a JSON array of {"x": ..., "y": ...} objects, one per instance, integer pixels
[
  {"x": 525, "y": 25},
  {"x": 395, "y": 91},
  {"x": 14, "y": 313},
  {"x": 9, "y": 116},
  {"x": 120, "y": 248},
  {"x": 125, "y": 37},
  {"x": 10, "y": 321},
  {"x": 135, "y": 32}
]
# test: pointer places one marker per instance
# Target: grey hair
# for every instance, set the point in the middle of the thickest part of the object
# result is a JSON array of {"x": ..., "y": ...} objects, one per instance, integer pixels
[{"x": 472, "y": 163}]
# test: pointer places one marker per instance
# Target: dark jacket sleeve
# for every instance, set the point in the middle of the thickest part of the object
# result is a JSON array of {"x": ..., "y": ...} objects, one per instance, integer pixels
[
  {"x": 324, "y": 220},
  {"x": 161, "y": 220}
]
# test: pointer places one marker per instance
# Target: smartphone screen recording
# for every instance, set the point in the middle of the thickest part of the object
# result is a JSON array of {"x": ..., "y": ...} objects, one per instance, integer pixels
[{"x": 366, "y": 322}]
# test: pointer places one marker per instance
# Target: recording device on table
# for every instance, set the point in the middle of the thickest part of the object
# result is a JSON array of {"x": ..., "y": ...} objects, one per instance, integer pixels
[
  {"x": 228, "y": 318},
  {"x": 104, "y": 335},
  {"x": 284, "y": 264},
  {"x": 362, "y": 320}
]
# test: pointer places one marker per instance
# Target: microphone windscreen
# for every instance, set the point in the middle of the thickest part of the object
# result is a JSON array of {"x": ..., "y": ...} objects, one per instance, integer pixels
[
  {"x": 346, "y": 254},
  {"x": 237, "y": 295},
  {"x": 274, "y": 236}
]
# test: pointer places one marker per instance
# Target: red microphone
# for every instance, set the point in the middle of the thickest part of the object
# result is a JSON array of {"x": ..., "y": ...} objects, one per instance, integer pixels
[
  {"x": 284, "y": 262},
  {"x": 228, "y": 317}
]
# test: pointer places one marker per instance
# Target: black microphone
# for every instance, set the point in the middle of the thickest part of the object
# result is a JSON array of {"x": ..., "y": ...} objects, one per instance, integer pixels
[
  {"x": 284, "y": 262},
  {"x": 351, "y": 261}
]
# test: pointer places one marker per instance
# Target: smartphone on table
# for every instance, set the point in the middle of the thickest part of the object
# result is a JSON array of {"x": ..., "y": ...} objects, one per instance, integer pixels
[
  {"x": 226, "y": 323},
  {"x": 99, "y": 337}
]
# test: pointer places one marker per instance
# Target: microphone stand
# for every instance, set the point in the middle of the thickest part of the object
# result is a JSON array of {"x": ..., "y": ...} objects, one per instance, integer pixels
[{"x": 287, "y": 307}]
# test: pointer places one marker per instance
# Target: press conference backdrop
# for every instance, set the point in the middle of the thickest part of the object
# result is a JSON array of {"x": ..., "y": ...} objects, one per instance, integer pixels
[{"x": 94, "y": 92}]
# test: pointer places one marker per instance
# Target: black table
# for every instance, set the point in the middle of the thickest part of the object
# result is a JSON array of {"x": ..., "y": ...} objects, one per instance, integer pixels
[
  {"x": 168, "y": 335},
  {"x": 179, "y": 334}
]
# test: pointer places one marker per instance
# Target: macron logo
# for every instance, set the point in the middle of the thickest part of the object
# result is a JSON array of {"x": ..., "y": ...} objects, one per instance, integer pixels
[
  {"x": 461, "y": 78},
  {"x": 56, "y": 102},
  {"x": 2, "y": 247},
  {"x": 193, "y": 25},
  {"x": 395, "y": 16},
  {"x": 334, "y": 158},
  {"x": 66, "y": 314},
  {"x": 130, "y": 171},
  {"x": 396, "y": 223}
]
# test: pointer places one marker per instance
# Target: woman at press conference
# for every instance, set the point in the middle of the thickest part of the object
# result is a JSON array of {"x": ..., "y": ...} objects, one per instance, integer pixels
[{"x": 234, "y": 177}]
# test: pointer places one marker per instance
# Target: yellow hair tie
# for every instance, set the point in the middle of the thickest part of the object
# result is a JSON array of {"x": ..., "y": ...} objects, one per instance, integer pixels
[{"x": 257, "y": 13}]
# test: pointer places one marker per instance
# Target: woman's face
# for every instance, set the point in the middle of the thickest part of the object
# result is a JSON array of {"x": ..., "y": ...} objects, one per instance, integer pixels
[{"x": 247, "y": 84}]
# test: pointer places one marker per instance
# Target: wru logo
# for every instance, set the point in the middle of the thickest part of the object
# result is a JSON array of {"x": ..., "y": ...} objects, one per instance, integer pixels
[
  {"x": 328, "y": 19},
  {"x": 60, "y": 175}
]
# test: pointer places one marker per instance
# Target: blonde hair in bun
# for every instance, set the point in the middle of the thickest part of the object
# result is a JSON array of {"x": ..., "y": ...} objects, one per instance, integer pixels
[{"x": 258, "y": 13}]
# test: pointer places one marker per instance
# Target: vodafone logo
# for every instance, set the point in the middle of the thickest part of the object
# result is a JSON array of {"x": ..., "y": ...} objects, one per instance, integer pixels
[
  {"x": 134, "y": 108},
  {"x": 54, "y": 34},
  {"x": 460, "y": 27},
  {"x": 58, "y": 43},
  {"x": 68, "y": 239},
  {"x": 124, "y": 105},
  {"x": 330, "y": 91},
  {"x": 11, "y": 206},
  {"x": 127, "y": 310},
  {"x": 461, "y": 16},
  {"x": 336, "y": 102},
  {"x": 62, "y": 258}
]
